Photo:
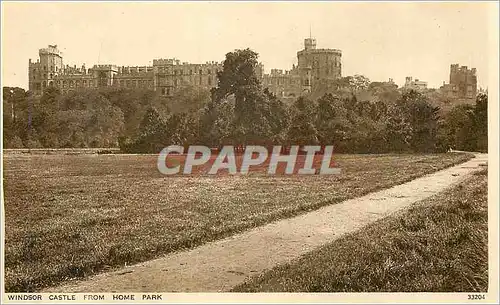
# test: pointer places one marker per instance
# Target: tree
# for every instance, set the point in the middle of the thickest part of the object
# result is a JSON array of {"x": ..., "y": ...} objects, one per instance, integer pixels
[
  {"x": 459, "y": 128},
  {"x": 14, "y": 106},
  {"x": 398, "y": 130},
  {"x": 481, "y": 122},
  {"x": 153, "y": 135},
  {"x": 359, "y": 82},
  {"x": 331, "y": 121},
  {"x": 412, "y": 123},
  {"x": 238, "y": 80},
  {"x": 302, "y": 130},
  {"x": 279, "y": 118}
]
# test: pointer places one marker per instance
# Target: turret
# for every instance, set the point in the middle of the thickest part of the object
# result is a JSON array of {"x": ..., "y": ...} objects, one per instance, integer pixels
[{"x": 310, "y": 44}]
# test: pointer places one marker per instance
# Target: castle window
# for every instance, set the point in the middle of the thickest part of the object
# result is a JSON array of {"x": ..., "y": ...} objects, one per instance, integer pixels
[
  {"x": 201, "y": 71},
  {"x": 191, "y": 72},
  {"x": 45, "y": 68},
  {"x": 51, "y": 75},
  {"x": 34, "y": 76},
  {"x": 85, "y": 83},
  {"x": 209, "y": 71},
  {"x": 162, "y": 91}
]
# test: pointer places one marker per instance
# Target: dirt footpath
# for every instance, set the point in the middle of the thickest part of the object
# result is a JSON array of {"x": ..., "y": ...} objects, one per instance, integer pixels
[{"x": 220, "y": 265}]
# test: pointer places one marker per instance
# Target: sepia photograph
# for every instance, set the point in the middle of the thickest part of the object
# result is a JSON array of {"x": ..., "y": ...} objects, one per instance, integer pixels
[{"x": 264, "y": 152}]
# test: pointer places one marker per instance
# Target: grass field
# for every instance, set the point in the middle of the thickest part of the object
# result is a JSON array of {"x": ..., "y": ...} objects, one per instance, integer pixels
[
  {"x": 438, "y": 245},
  {"x": 74, "y": 215}
]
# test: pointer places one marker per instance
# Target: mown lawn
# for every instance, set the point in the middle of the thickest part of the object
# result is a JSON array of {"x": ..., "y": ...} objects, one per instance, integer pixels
[
  {"x": 71, "y": 216},
  {"x": 438, "y": 245}
]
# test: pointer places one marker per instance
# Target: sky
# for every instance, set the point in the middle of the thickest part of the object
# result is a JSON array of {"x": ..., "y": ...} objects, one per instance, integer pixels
[{"x": 378, "y": 40}]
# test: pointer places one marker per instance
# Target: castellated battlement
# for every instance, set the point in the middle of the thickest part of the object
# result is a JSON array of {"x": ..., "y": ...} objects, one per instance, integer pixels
[
  {"x": 135, "y": 70},
  {"x": 176, "y": 62},
  {"x": 321, "y": 51},
  {"x": 166, "y": 62},
  {"x": 455, "y": 68},
  {"x": 167, "y": 75},
  {"x": 50, "y": 50},
  {"x": 463, "y": 83}
]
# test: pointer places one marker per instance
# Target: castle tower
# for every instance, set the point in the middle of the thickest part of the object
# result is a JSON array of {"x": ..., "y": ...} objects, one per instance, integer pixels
[
  {"x": 42, "y": 72},
  {"x": 317, "y": 66},
  {"x": 48, "y": 67},
  {"x": 463, "y": 82},
  {"x": 51, "y": 60}
]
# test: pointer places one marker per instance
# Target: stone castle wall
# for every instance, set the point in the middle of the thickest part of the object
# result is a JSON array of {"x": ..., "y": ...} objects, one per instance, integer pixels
[{"x": 168, "y": 75}]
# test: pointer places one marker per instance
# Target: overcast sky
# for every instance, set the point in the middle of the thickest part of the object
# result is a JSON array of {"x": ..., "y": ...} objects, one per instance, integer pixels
[{"x": 378, "y": 40}]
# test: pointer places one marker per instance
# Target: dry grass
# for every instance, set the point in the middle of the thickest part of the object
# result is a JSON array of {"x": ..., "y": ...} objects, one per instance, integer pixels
[
  {"x": 74, "y": 215},
  {"x": 438, "y": 245}
]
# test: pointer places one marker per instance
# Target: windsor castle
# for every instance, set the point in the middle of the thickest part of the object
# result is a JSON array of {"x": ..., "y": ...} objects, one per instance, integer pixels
[{"x": 168, "y": 75}]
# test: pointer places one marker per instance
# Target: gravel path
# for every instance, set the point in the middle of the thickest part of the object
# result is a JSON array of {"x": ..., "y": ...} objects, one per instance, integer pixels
[{"x": 220, "y": 265}]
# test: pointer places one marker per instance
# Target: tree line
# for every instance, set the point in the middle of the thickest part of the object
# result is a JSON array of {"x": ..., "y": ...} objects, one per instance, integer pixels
[{"x": 353, "y": 114}]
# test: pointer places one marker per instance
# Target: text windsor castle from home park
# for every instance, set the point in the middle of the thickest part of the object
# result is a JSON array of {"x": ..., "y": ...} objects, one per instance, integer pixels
[{"x": 315, "y": 67}]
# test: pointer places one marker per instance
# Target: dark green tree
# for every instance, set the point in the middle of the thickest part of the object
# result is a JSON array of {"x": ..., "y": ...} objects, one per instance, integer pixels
[{"x": 302, "y": 129}]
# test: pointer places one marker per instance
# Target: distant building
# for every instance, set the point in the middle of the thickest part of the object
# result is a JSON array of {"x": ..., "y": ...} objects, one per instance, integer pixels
[
  {"x": 416, "y": 84},
  {"x": 166, "y": 75},
  {"x": 463, "y": 83},
  {"x": 315, "y": 66}
]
